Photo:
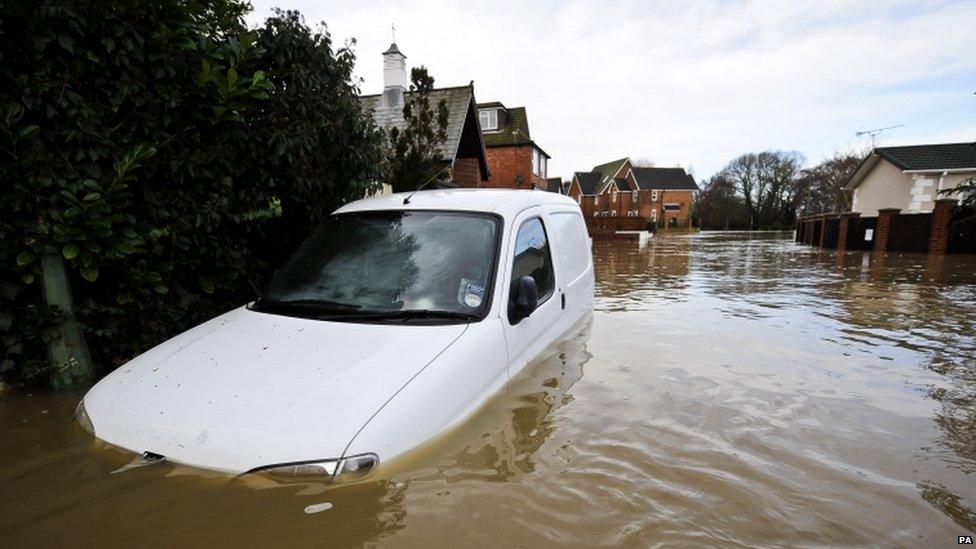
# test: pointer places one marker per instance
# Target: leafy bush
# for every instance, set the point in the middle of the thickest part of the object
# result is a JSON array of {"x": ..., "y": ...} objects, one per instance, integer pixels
[{"x": 170, "y": 156}]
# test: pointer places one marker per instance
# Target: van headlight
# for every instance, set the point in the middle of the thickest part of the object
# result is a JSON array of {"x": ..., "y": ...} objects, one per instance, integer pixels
[
  {"x": 81, "y": 416},
  {"x": 350, "y": 468}
]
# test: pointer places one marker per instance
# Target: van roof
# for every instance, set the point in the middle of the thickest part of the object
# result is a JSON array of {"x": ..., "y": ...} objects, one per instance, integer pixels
[{"x": 505, "y": 202}]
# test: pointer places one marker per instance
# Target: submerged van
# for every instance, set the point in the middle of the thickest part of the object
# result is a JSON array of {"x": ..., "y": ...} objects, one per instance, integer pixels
[{"x": 393, "y": 321}]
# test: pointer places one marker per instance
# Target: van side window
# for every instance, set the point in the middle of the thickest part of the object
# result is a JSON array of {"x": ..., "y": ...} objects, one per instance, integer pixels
[
  {"x": 572, "y": 244},
  {"x": 532, "y": 258}
]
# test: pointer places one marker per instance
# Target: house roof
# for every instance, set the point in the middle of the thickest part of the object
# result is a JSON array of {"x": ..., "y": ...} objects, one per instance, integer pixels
[
  {"x": 458, "y": 100},
  {"x": 588, "y": 181},
  {"x": 554, "y": 185},
  {"x": 608, "y": 170},
  {"x": 622, "y": 184},
  {"x": 944, "y": 156},
  {"x": 513, "y": 128},
  {"x": 668, "y": 179},
  {"x": 935, "y": 157}
]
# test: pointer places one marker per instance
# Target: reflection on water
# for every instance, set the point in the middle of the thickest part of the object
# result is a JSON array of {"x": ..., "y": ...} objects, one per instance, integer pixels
[{"x": 728, "y": 389}]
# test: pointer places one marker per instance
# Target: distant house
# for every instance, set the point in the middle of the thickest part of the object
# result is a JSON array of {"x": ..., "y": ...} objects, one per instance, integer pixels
[
  {"x": 514, "y": 159},
  {"x": 661, "y": 196},
  {"x": 464, "y": 149},
  {"x": 909, "y": 178},
  {"x": 556, "y": 185}
]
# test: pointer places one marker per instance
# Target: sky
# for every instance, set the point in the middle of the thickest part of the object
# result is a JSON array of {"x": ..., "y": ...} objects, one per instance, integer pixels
[{"x": 684, "y": 83}]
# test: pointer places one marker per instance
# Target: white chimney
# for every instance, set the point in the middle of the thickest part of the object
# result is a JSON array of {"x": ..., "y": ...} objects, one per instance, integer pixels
[{"x": 394, "y": 76}]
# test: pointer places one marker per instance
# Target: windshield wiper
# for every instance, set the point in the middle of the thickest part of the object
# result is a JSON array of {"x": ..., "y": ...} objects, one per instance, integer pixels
[
  {"x": 312, "y": 305},
  {"x": 405, "y": 315}
]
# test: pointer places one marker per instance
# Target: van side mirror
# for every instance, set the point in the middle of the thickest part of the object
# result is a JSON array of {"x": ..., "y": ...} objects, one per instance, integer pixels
[{"x": 524, "y": 299}]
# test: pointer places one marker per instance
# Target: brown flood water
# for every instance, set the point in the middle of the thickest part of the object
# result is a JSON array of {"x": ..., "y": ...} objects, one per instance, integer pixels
[{"x": 728, "y": 389}]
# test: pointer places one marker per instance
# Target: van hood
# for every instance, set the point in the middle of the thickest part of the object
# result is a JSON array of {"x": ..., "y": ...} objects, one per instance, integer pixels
[{"x": 250, "y": 389}]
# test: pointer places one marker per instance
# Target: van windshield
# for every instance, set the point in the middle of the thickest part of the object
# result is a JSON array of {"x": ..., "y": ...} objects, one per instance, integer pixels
[{"x": 390, "y": 266}]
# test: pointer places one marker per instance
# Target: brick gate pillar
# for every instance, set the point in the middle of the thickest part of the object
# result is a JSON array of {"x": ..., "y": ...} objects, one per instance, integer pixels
[
  {"x": 883, "y": 228},
  {"x": 842, "y": 227},
  {"x": 941, "y": 224}
]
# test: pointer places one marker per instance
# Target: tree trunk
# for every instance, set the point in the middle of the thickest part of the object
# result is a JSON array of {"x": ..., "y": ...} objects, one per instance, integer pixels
[{"x": 67, "y": 350}]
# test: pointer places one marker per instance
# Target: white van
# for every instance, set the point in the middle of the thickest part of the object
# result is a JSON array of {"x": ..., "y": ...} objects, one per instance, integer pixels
[{"x": 393, "y": 321}]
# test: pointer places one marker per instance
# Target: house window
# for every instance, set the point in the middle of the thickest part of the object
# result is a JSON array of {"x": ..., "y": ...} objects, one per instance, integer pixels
[
  {"x": 633, "y": 196},
  {"x": 579, "y": 199},
  {"x": 538, "y": 163},
  {"x": 489, "y": 119},
  {"x": 654, "y": 215},
  {"x": 596, "y": 200},
  {"x": 654, "y": 196},
  {"x": 614, "y": 196}
]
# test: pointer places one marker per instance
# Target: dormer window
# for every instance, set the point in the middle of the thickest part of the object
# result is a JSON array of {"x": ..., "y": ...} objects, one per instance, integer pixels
[{"x": 489, "y": 119}]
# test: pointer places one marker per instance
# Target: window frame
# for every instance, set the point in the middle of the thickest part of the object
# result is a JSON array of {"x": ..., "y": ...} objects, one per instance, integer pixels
[
  {"x": 552, "y": 266},
  {"x": 491, "y": 115}
]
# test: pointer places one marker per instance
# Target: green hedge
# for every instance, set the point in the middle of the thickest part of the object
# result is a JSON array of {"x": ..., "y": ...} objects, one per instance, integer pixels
[{"x": 170, "y": 156}]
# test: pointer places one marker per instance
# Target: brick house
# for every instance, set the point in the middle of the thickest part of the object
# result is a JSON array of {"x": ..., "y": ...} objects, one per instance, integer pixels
[
  {"x": 464, "y": 148},
  {"x": 556, "y": 185},
  {"x": 514, "y": 159},
  {"x": 659, "y": 196}
]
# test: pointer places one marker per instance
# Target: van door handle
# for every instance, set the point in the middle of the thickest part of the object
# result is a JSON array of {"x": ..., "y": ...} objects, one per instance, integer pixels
[{"x": 562, "y": 298}]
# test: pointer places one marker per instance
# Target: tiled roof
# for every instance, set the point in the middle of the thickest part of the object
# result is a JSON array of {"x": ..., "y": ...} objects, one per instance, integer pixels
[
  {"x": 393, "y": 49},
  {"x": 458, "y": 99},
  {"x": 664, "y": 179},
  {"x": 945, "y": 156},
  {"x": 588, "y": 181},
  {"x": 607, "y": 171},
  {"x": 554, "y": 185},
  {"x": 513, "y": 128},
  {"x": 622, "y": 184}
]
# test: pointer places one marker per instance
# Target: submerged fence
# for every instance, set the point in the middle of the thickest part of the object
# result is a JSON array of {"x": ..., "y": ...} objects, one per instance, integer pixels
[{"x": 890, "y": 231}]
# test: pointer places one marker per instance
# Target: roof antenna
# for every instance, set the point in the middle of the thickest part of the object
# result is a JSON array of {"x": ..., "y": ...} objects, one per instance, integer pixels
[
  {"x": 393, "y": 29},
  {"x": 874, "y": 133},
  {"x": 440, "y": 171}
]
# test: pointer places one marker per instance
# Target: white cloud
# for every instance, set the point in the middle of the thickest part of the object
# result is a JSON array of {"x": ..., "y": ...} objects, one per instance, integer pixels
[{"x": 695, "y": 83}]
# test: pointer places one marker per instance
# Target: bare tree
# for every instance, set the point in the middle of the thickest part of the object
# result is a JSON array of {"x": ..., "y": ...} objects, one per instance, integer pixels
[
  {"x": 822, "y": 188},
  {"x": 643, "y": 162},
  {"x": 718, "y": 205},
  {"x": 767, "y": 183}
]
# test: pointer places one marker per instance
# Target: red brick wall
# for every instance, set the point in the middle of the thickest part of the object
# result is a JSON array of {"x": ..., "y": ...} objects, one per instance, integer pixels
[
  {"x": 574, "y": 190},
  {"x": 466, "y": 172},
  {"x": 683, "y": 216},
  {"x": 508, "y": 163},
  {"x": 645, "y": 205}
]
